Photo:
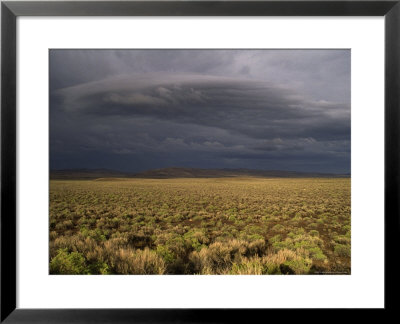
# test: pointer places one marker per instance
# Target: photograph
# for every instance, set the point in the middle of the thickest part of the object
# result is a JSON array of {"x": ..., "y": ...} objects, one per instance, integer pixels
[{"x": 199, "y": 161}]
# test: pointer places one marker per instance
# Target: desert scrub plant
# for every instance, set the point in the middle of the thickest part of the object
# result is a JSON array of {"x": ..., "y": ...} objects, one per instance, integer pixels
[
  {"x": 217, "y": 257},
  {"x": 300, "y": 241},
  {"x": 317, "y": 254},
  {"x": 256, "y": 247},
  {"x": 296, "y": 266},
  {"x": 342, "y": 250},
  {"x": 165, "y": 253},
  {"x": 252, "y": 266},
  {"x": 342, "y": 239},
  {"x": 278, "y": 228},
  {"x": 96, "y": 234},
  {"x": 282, "y": 262},
  {"x": 275, "y": 238},
  {"x": 135, "y": 214},
  {"x": 289, "y": 262},
  {"x": 197, "y": 239},
  {"x": 98, "y": 267},
  {"x": 53, "y": 235},
  {"x": 129, "y": 261},
  {"x": 68, "y": 263}
]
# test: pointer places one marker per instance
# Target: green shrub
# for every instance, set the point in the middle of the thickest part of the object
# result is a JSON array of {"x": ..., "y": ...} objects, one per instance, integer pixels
[
  {"x": 278, "y": 228},
  {"x": 202, "y": 226},
  {"x": 272, "y": 268},
  {"x": 68, "y": 263},
  {"x": 276, "y": 238},
  {"x": 342, "y": 250},
  {"x": 317, "y": 254},
  {"x": 342, "y": 239},
  {"x": 165, "y": 253},
  {"x": 296, "y": 266},
  {"x": 99, "y": 267}
]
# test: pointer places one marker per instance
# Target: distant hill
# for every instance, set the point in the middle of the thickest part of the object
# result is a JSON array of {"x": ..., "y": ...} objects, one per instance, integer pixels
[
  {"x": 222, "y": 173},
  {"x": 176, "y": 172},
  {"x": 86, "y": 174}
]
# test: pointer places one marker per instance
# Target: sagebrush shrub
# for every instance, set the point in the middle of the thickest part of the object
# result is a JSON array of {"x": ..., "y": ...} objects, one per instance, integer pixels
[
  {"x": 200, "y": 226},
  {"x": 68, "y": 263}
]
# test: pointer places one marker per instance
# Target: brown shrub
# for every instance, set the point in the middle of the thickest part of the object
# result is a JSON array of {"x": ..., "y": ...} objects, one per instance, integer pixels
[{"x": 128, "y": 261}]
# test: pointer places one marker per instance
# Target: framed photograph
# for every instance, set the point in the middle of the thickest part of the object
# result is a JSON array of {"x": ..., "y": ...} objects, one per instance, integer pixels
[{"x": 186, "y": 161}]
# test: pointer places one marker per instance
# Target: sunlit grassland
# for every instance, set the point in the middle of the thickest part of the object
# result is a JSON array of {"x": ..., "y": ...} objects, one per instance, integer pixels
[{"x": 200, "y": 226}]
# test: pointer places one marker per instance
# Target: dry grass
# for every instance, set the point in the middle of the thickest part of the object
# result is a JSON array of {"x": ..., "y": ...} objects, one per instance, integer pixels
[{"x": 200, "y": 226}]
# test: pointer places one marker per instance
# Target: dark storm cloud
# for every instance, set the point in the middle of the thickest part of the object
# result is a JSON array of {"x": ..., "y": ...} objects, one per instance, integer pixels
[
  {"x": 253, "y": 108},
  {"x": 145, "y": 109}
]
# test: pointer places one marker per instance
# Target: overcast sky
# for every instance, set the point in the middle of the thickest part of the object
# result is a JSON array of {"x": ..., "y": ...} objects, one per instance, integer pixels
[{"x": 134, "y": 110}]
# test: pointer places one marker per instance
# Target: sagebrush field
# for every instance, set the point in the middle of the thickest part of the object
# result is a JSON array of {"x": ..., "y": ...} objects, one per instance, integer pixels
[{"x": 200, "y": 226}]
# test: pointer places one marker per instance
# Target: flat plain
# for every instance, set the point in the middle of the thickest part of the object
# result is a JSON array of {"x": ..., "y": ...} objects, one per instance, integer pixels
[{"x": 238, "y": 225}]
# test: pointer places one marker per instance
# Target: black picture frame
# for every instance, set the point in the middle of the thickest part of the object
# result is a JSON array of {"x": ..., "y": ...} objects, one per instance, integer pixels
[{"x": 10, "y": 10}]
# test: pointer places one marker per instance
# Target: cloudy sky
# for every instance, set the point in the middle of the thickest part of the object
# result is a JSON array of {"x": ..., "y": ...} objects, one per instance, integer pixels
[{"x": 134, "y": 110}]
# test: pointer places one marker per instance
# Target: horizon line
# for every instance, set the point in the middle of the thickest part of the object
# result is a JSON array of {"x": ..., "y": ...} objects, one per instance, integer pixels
[{"x": 194, "y": 168}]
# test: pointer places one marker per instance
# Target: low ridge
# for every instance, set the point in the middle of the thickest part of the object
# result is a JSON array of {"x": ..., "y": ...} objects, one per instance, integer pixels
[{"x": 178, "y": 172}]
